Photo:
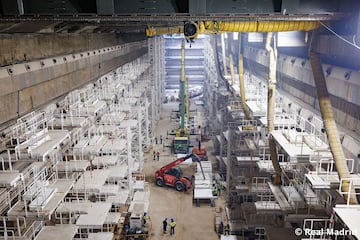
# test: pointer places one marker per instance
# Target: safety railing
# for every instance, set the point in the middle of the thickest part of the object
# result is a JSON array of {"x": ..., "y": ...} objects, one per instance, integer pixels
[
  {"x": 259, "y": 184},
  {"x": 352, "y": 183},
  {"x": 13, "y": 227},
  {"x": 316, "y": 228},
  {"x": 33, "y": 230}
]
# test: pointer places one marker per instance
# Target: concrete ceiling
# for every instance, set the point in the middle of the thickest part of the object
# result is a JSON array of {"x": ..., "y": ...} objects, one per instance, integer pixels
[{"x": 121, "y": 16}]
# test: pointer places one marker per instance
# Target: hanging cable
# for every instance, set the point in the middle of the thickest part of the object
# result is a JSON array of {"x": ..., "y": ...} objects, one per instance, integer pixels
[
  {"x": 354, "y": 40},
  {"x": 333, "y": 32}
]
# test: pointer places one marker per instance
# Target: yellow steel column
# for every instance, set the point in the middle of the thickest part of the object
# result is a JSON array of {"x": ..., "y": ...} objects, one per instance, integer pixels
[
  {"x": 232, "y": 73},
  {"x": 241, "y": 81},
  {"x": 187, "y": 100},
  {"x": 330, "y": 125},
  {"x": 223, "y": 54},
  {"x": 271, "y": 105},
  {"x": 182, "y": 87}
]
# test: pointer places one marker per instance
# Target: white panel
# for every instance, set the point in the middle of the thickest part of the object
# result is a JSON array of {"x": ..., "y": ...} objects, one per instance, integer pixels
[
  {"x": 255, "y": 37},
  {"x": 291, "y": 39}
]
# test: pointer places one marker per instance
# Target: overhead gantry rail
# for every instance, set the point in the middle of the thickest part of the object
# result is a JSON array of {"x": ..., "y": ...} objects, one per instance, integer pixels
[
  {"x": 173, "y": 17},
  {"x": 156, "y": 23}
]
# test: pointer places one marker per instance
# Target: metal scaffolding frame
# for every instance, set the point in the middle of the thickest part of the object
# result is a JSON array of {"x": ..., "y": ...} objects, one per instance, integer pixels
[
  {"x": 309, "y": 181},
  {"x": 107, "y": 121}
]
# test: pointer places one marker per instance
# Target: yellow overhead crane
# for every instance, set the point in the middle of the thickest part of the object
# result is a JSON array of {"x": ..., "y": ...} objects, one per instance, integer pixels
[{"x": 192, "y": 29}]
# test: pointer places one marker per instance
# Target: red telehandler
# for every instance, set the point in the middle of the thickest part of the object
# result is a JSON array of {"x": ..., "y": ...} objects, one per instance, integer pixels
[{"x": 172, "y": 175}]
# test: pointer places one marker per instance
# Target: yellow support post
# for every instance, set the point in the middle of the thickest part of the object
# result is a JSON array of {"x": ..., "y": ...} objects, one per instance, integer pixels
[
  {"x": 232, "y": 73},
  {"x": 242, "y": 82},
  {"x": 330, "y": 126},
  {"x": 223, "y": 54},
  {"x": 271, "y": 106},
  {"x": 187, "y": 100}
]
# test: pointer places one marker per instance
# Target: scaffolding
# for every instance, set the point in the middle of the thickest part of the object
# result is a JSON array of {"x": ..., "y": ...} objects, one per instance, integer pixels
[
  {"x": 309, "y": 181},
  {"x": 78, "y": 162}
]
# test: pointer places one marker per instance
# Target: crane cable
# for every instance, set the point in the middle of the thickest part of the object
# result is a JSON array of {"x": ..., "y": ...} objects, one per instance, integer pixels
[{"x": 340, "y": 37}]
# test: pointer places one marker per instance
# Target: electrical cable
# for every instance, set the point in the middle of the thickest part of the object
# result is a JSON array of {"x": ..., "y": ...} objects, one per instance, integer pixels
[
  {"x": 354, "y": 39},
  {"x": 337, "y": 35}
]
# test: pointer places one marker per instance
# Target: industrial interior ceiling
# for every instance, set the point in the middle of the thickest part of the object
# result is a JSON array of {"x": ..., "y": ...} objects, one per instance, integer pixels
[{"x": 119, "y": 16}]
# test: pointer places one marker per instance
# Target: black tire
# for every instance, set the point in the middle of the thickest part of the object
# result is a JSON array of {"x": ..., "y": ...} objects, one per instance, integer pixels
[
  {"x": 179, "y": 186},
  {"x": 192, "y": 180},
  {"x": 159, "y": 182}
]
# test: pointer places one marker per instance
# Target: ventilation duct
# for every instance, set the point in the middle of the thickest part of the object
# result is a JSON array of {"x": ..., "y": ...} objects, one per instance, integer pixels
[{"x": 330, "y": 126}]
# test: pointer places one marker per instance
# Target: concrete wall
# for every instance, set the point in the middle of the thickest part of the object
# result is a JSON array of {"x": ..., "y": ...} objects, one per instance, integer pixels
[
  {"x": 335, "y": 51},
  {"x": 27, "y": 86},
  {"x": 18, "y": 48},
  {"x": 294, "y": 75}
]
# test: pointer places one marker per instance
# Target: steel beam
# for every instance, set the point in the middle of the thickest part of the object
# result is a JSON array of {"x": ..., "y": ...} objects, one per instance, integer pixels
[
  {"x": 105, "y": 7},
  {"x": 172, "y": 18},
  {"x": 11, "y": 7},
  {"x": 197, "y": 6}
]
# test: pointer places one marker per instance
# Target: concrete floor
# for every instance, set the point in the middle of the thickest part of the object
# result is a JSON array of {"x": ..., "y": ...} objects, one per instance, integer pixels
[{"x": 196, "y": 223}]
